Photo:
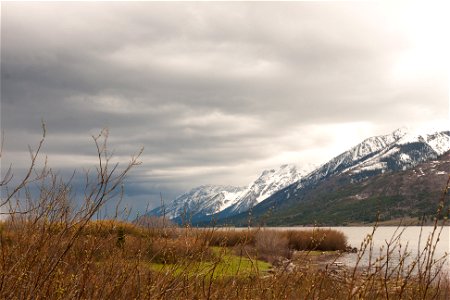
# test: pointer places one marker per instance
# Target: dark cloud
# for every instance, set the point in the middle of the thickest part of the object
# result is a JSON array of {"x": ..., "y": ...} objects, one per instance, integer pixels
[{"x": 215, "y": 91}]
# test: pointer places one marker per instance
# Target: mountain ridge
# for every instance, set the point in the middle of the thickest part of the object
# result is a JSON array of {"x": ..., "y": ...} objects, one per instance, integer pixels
[
  {"x": 398, "y": 151},
  {"x": 207, "y": 202},
  {"x": 336, "y": 201}
]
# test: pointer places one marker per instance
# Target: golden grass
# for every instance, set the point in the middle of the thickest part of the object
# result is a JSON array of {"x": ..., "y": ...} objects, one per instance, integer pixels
[
  {"x": 317, "y": 239},
  {"x": 157, "y": 267}
]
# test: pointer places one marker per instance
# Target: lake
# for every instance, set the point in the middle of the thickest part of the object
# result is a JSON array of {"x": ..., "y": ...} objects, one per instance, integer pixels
[{"x": 412, "y": 239}]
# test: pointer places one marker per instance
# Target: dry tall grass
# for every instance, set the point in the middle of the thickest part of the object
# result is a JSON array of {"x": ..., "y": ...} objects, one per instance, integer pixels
[{"x": 52, "y": 250}]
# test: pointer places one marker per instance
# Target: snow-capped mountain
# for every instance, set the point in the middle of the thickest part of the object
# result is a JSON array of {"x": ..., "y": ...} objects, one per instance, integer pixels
[
  {"x": 399, "y": 150},
  {"x": 208, "y": 201},
  {"x": 410, "y": 150},
  {"x": 389, "y": 156},
  {"x": 403, "y": 196},
  {"x": 269, "y": 182},
  {"x": 203, "y": 200},
  {"x": 359, "y": 153}
]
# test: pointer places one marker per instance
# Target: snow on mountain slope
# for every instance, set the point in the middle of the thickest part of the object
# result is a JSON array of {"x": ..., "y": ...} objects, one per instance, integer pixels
[
  {"x": 210, "y": 200},
  {"x": 266, "y": 185},
  {"x": 405, "y": 153},
  {"x": 205, "y": 200},
  {"x": 399, "y": 150},
  {"x": 359, "y": 153},
  {"x": 438, "y": 141},
  {"x": 373, "y": 144}
]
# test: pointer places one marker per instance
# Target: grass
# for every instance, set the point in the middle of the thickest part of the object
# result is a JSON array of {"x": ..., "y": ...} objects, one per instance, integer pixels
[{"x": 224, "y": 264}]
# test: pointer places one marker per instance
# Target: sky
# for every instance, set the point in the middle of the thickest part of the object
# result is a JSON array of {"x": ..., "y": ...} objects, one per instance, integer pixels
[{"x": 216, "y": 92}]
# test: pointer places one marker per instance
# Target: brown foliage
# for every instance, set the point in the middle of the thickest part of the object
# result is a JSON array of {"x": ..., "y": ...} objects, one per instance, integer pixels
[
  {"x": 271, "y": 245},
  {"x": 171, "y": 251},
  {"x": 316, "y": 239},
  {"x": 229, "y": 237}
]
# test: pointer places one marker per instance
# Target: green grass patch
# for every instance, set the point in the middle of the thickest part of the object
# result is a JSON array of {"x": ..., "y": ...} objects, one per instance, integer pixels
[{"x": 223, "y": 264}]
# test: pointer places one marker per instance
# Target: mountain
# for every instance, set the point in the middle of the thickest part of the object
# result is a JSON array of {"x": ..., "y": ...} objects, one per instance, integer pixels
[
  {"x": 269, "y": 182},
  {"x": 204, "y": 200},
  {"x": 360, "y": 153},
  {"x": 208, "y": 202},
  {"x": 399, "y": 150},
  {"x": 410, "y": 150},
  {"x": 338, "y": 200},
  {"x": 287, "y": 190},
  {"x": 392, "y": 153}
]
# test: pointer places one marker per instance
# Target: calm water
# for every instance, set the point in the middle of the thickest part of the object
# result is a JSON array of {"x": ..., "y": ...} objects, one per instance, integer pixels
[{"x": 411, "y": 240}]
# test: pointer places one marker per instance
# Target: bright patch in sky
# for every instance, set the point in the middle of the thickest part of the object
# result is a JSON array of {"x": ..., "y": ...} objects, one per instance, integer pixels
[{"x": 426, "y": 24}]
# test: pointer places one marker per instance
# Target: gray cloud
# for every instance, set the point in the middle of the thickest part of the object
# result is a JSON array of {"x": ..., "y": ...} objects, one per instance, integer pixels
[{"x": 214, "y": 91}]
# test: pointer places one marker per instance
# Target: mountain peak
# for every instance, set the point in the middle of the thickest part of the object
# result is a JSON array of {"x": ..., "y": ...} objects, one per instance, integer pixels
[
  {"x": 206, "y": 200},
  {"x": 401, "y": 132},
  {"x": 267, "y": 172}
]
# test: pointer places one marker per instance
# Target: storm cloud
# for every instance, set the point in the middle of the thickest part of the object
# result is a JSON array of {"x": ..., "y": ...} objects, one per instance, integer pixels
[{"x": 216, "y": 92}]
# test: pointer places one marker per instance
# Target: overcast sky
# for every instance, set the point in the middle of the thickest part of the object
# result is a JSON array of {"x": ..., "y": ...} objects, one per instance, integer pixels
[{"x": 216, "y": 92}]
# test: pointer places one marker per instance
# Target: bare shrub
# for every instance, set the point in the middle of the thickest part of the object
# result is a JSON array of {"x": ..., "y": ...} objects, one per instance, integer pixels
[
  {"x": 154, "y": 222},
  {"x": 229, "y": 237},
  {"x": 271, "y": 245},
  {"x": 317, "y": 239},
  {"x": 46, "y": 229}
]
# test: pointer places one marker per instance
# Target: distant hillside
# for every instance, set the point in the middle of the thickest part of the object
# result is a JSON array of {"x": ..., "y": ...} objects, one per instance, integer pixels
[
  {"x": 340, "y": 200},
  {"x": 375, "y": 175}
]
